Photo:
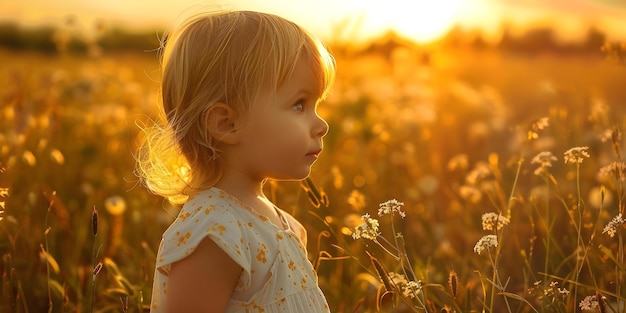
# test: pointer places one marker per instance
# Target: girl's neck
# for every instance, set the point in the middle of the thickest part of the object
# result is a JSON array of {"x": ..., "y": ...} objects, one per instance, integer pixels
[{"x": 243, "y": 188}]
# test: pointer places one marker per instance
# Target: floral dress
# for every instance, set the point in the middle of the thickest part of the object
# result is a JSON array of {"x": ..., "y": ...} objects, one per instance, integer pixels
[{"x": 276, "y": 276}]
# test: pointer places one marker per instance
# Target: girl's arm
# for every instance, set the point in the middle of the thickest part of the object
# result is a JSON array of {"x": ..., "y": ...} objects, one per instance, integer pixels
[{"x": 203, "y": 281}]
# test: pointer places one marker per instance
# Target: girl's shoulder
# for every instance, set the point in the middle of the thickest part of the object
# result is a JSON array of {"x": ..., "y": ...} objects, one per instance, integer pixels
[
  {"x": 209, "y": 206},
  {"x": 207, "y": 214}
]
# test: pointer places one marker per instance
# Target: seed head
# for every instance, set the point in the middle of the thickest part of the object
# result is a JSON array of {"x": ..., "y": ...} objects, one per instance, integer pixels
[
  {"x": 94, "y": 221},
  {"x": 453, "y": 283}
]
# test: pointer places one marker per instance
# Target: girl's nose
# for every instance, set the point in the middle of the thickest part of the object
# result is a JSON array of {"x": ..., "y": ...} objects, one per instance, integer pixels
[{"x": 321, "y": 127}]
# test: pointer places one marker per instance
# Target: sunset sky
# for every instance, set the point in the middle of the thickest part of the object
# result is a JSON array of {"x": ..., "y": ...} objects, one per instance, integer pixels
[{"x": 422, "y": 20}]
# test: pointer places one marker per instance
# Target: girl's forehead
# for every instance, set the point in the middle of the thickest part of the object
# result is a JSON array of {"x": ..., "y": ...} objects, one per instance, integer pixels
[{"x": 307, "y": 74}]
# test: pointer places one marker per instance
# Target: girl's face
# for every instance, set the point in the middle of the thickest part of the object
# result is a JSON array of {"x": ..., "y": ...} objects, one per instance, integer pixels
[{"x": 283, "y": 136}]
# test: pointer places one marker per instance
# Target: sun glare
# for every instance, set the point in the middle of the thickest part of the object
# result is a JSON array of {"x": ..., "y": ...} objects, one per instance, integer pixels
[{"x": 420, "y": 20}]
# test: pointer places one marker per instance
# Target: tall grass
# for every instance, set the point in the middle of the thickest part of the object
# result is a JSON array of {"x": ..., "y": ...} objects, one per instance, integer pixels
[{"x": 473, "y": 145}]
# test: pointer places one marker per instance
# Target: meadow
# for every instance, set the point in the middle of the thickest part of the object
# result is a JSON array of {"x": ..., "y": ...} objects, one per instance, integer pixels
[{"x": 507, "y": 170}]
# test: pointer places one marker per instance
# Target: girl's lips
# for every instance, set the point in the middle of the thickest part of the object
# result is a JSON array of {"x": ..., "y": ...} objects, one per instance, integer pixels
[{"x": 314, "y": 153}]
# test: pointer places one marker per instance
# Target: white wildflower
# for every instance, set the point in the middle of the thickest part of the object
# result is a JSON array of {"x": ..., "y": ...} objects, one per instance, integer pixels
[
  {"x": 411, "y": 289},
  {"x": 480, "y": 173},
  {"x": 615, "y": 169},
  {"x": 391, "y": 206},
  {"x": 614, "y": 225},
  {"x": 576, "y": 155},
  {"x": 541, "y": 123},
  {"x": 563, "y": 292},
  {"x": 589, "y": 303},
  {"x": 544, "y": 159},
  {"x": 492, "y": 219},
  {"x": 486, "y": 242},
  {"x": 367, "y": 230}
]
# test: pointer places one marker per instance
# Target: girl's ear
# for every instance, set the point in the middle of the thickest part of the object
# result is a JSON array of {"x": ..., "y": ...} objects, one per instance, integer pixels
[{"x": 223, "y": 123}]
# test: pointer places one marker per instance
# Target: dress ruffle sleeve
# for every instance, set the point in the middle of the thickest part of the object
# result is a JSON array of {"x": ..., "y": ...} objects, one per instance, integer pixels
[{"x": 203, "y": 217}]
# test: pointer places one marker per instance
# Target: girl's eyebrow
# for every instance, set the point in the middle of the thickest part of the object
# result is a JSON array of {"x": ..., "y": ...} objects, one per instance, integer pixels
[
  {"x": 309, "y": 91},
  {"x": 302, "y": 92}
]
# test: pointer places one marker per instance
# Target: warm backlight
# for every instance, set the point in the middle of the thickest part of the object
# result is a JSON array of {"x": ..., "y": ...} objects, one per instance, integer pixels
[{"x": 420, "y": 20}]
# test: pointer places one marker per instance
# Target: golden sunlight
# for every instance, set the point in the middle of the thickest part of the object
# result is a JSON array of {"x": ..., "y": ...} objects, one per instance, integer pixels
[{"x": 420, "y": 20}]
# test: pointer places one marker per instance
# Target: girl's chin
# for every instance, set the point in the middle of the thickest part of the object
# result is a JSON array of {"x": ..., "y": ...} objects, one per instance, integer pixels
[{"x": 294, "y": 176}]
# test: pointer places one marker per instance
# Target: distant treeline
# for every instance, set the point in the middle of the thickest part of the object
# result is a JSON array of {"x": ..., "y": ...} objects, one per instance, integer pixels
[
  {"x": 51, "y": 40},
  {"x": 48, "y": 39}
]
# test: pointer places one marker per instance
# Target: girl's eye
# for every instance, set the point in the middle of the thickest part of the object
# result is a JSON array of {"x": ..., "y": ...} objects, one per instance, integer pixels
[{"x": 298, "y": 106}]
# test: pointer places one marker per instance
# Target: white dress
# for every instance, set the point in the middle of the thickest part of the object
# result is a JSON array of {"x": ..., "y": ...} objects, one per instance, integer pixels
[{"x": 276, "y": 276}]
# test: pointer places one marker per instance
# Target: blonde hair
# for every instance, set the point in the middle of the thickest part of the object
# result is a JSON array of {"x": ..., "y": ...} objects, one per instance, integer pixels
[{"x": 227, "y": 57}]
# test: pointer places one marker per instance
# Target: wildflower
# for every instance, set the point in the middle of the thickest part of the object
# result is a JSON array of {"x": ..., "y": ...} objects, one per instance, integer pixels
[
  {"x": 480, "y": 173},
  {"x": 606, "y": 135},
  {"x": 458, "y": 162},
  {"x": 541, "y": 123},
  {"x": 115, "y": 205},
  {"x": 617, "y": 169},
  {"x": 367, "y": 230},
  {"x": 576, "y": 155},
  {"x": 590, "y": 303},
  {"x": 538, "y": 125},
  {"x": 391, "y": 206},
  {"x": 486, "y": 242},
  {"x": 614, "y": 225},
  {"x": 411, "y": 289},
  {"x": 544, "y": 159},
  {"x": 492, "y": 219},
  {"x": 397, "y": 279},
  {"x": 356, "y": 200},
  {"x": 470, "y": 193},
  {"x": 563, "y": 292},
  {"x": 4, "y": 193}
]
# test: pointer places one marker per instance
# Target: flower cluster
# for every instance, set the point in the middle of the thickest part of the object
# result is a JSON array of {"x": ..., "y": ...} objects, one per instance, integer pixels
[
  {"x": 390, "y": 207},
  {"x": 614, "y": 225},
  {"x": 485, "y": 243},
  {"x": 576, "y": 155},
  {"x": 541, "y": 123},
  {"x": 537, "y": 126},
  {"x": 617, "y": 169},
  {"x": 367, "y": 230},
  {"x": 544, "y": 159},
  {"x": 410, "y": 289},
  {"x": 493, "y": 221},
  {"x": 591, "y": 303},
  {"x": 554, "y": 291}
]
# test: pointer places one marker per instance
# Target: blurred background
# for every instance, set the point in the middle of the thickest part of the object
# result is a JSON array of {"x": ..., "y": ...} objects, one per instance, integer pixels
[{"x": 440, "y": 104}]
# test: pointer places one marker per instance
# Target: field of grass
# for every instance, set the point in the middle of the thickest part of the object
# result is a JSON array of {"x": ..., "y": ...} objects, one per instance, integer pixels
[{"x": 453, "y": 135}]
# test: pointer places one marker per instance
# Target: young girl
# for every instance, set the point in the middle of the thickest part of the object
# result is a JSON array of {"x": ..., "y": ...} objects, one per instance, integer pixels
[{"x": 239, "y": 98}]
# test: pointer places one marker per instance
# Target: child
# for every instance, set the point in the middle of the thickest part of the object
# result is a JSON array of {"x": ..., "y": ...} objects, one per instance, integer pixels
[{"x": 239, "y": 98}]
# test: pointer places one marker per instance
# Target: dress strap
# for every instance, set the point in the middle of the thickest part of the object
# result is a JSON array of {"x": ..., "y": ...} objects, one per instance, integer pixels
[{"x": 283, "y": 220}]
